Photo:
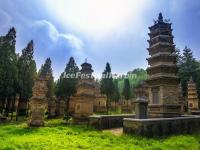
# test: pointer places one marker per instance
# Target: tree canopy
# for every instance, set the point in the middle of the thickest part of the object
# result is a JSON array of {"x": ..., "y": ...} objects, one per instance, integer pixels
[
  {"x": 27, "y": 71},
  {"x": 66, "y": 85}
]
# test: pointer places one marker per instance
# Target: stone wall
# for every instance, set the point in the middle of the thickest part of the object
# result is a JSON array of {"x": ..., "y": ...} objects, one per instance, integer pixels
[
  {"x": 162, "y": 126},
  {"x": 108, "y": 121}
]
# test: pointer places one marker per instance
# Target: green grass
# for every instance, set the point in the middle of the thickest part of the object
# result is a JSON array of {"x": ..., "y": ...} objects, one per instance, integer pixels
[{"x": 56, "y": 135}]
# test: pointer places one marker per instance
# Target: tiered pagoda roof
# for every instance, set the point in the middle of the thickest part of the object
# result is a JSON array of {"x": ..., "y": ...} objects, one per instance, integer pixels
[
  {"x": 161, "y": 49},
  {"x": 86, "y": 83}
]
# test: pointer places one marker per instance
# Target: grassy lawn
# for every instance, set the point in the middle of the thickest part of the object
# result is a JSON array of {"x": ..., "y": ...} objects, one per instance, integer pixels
[{"x": 56, "y": 135}]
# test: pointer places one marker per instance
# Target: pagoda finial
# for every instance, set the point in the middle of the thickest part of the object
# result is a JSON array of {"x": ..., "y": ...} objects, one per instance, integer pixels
[
  {"x": 160, "y": 17},
  {"x": 85, "y": 60}
]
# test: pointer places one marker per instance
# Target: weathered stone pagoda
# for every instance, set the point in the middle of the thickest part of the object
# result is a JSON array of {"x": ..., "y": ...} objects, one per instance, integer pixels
[
  {"x": 163, "y": 81},
  {"x": 192, "y": 97},
  {"x": 85, "y": 96},
  {"x": 100, "y": 100},
  {"x": 38, "y": 103}
]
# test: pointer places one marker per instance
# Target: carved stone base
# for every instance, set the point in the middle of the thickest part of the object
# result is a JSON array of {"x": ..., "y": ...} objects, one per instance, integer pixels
[
  {"x": 165, "y": 111},
  {"x": 37, "y": 111}
]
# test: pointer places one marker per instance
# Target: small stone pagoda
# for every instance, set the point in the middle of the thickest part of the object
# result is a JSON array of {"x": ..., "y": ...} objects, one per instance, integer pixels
[
  {"x": 192, "y": 97},
  {"x": 84, "y": 99},
  {"x": 100, "y": 100},
  {"x": 38, "y": 103},
  {"x": 163, "y": 80}
]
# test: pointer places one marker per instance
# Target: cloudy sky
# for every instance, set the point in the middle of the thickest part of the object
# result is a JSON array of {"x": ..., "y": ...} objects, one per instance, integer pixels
[{"x": 102, "y": 31}]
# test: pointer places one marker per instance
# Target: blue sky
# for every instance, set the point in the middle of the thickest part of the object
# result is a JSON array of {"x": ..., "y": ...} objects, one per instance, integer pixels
[{"x": 114, "y": 31}]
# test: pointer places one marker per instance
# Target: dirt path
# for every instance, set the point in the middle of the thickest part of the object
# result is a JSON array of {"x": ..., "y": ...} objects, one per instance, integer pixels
[{"x": 115, "y": 131}]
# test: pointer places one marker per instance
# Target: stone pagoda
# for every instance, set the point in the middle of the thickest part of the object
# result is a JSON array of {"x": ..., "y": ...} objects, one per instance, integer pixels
[
  {"x": 38, "y": 103},
  {"x": 192, "y": 97},
  {"x": 100, "y": 100},
  {"x": 85, "y": 96},
  {"x": 163, "y": 81}
]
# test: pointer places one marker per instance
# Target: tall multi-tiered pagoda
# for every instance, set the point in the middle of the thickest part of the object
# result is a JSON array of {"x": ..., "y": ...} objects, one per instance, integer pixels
[
  {"x": 163, "y": 81},
  {"x": 192, "y": 97},
  {"x": 84, "y": 99}
]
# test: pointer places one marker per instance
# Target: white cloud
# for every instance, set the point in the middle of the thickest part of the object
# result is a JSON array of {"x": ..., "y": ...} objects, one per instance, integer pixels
[
  {"x": 73, "y": 40},
  {"x": 55, "y": 35},
  {"x": 97, "y": 18}
]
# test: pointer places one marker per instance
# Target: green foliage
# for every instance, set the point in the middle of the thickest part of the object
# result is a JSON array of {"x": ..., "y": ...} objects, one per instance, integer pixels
[
  {"x": 188, "y": 67},
  {"x": 116, "y": 94},
  {"x": 127, "y": 89},
  {"x": 8, "y": 65},
  {"x": 27, "y": 72},
  {"x": 66, "y": 85},
  {"x": 107, "y": 86},
  {"x": 46, "y": 71},
  {"x": 134, "y": 77},
  {"x": 56, "y": 135}
]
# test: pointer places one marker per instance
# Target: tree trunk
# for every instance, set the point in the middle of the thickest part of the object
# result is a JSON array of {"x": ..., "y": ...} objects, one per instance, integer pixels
[
  {"x": 27, "y": 108},
  {"x": 5, "y": 106},
  {"x": 127, "y": 107},
  {"x": 66, "y": 114},
  {"x": 16, "y": 109},
  {"x": 107, "y": 104},
  {"x": 115, "y": 106},
  {"x": 13, "y": 105}
]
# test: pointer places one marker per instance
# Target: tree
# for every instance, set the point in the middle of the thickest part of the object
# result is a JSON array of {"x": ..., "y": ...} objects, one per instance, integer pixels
[
  {"x": 127, "y": 90},
  {"x": 135, "y": 77},
  {"x": 27, "y": 72},
  {"x": 116, "y": 94},
  {"x": 66, "y": 85},
  {"x": 107, "y": 86},
  {"x": 8, "y": 69},
  {"x": 188, "y": 67},
  {"x": 47, "y": 72}
]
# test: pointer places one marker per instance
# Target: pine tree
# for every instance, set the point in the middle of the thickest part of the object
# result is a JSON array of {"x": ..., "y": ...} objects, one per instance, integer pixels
[
  {"x": 116, "y": 94},
  {"x": 188, "y": 67},
  {"x": 47, "y": 72},
  {"x": 107, "y": 86},
  {"x": 66, "y": 85},
  {"x": 8, "y": 68},
  {"x": 127, "y": 89},
  {"x": 27, "y": 72}
]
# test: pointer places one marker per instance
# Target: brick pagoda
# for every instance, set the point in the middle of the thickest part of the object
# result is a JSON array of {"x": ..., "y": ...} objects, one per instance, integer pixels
[
  {"x": 192, "y": 97},
  {"x": 163, "y": 81},
  {"x": 85, "y": 96}
]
